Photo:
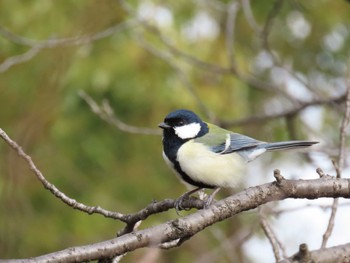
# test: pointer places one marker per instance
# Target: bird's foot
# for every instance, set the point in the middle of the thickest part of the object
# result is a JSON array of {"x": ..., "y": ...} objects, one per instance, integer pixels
[
  {"x": 178, "y": 202},
  {"x": 210, "y": 198}
]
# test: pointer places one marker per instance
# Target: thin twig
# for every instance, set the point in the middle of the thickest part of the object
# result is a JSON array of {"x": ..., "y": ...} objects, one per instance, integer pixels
[
  {"x": 37, "y": 45},
  {"x": 272, "y": 116},
  {"x": 130, "y": 219},
  {"x": 270, "y": 234},
  {"x": 338, "y": 167},
  {"x": 106, "y": 113},
  {"x": 52, "y": 188},
  {"x": 165, "y": 56},
  {"x": 198, "y": 63},
  {"x": 330, "y": 225},
  {"x": 232, "y": 11},
  {"x": 269, "y": 23},
  {"x": 234, "y": 241},
  {"x": 278, "y": 212},
  {"x": 265, "y": 33},
  {"x": 170, "y": 60},
  {"x": 26, "y": 56},
  {"x": 343, "y": 127},
  {"x": 69, "y": 41},
  {"x": 225, "y": 245},
  {"x": 248, "y": 13}
]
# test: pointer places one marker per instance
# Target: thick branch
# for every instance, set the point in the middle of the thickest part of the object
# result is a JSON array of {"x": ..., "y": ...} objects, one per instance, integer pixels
[
  {"x": 339, "y": 253},
  {"x": 196, "y": 222}
]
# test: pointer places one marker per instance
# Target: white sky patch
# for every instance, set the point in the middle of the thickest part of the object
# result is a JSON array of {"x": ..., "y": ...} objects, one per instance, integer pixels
[
  {"x": 323, "y": 83},
  {"x": 297, "y": 89},
  {"x": 278, "y": 76},
  {"x": 263, "y": 61},
  {"x": 313, "y": 117},
  {"x": 188, "y": 131},
  {"x": 325, "y": 60},
  {"x": 292, "y": 85},
  {"x": 202, "y": 26},
  {"x": 307, "y": 222},
  {"x": 258, "y": 248},
  {"x": 275, "y": 105},
  {"x": 334, "y": 41},
  {"x": 160, "y": 15},
  {"x": 298, "y": 25},
  {"x": 308, "y": 226}
]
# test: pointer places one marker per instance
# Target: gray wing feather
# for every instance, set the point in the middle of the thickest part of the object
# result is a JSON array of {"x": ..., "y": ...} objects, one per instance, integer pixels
[
  {"x": 249, "y": 148},
  {"x": 276, "y": 146},
  {"x": 237, "y": 142}
]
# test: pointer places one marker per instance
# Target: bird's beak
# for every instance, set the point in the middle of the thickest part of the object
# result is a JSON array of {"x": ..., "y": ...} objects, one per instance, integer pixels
[{"x": 164, "y": 126}]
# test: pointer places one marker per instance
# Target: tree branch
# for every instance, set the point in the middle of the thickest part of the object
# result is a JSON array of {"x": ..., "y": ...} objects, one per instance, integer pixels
[
  {"x": 129, "y": 219},
  {"x": 232, "y": 11},
  {"x": 52, "y": 188},
  {"x": 169, "y": 59},
  {"x": 196, "y": 222},
  {"x": 26, "y": 56},
  {"x": 248, "y": 13},
  {"x": 37, "y": 45},
  {"x": 342, "y": 136},
  {"x": 277, "y": 247},
  {"x": 267, "y": 117},
  {"x": 339, "y": 254},
  {"x": 69, "y": 41},
  {"x": 249, "y": 79},
  {"x": 106, "y": 113},
  {"x": 338, "y": 167},
  {"x": 276, "y": 8}
]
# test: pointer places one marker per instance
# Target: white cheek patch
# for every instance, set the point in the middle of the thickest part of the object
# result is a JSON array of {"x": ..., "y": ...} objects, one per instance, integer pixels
[{"x": 188, "y": 131}]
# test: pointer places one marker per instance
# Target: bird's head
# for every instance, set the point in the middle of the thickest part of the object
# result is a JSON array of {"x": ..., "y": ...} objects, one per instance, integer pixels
[{"x": 184, "y": 124}]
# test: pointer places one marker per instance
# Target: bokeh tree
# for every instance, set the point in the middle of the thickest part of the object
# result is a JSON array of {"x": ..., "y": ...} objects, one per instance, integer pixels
[{"x": 84, "y": 85}]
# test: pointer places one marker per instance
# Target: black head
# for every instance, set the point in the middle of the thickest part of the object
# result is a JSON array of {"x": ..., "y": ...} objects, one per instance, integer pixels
[
  {"x": 184, "y": 124},
  {"x": 179, "y": 127}
]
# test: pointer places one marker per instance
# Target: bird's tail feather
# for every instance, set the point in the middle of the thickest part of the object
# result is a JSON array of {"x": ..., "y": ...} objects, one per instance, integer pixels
[{"x": 275, "y": 146}]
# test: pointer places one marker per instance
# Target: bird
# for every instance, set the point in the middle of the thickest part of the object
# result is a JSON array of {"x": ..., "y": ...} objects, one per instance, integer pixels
[{"x": 206, "y": 156}]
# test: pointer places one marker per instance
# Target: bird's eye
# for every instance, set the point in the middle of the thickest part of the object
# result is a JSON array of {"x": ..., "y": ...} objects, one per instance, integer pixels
[{"x": 180, "y": 123}]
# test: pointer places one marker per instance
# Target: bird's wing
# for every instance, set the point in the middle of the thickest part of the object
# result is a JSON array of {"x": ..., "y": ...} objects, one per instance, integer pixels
[
  {"x": 239, "y": 143},
  {"x": 215, "y": 137},
  {"x": 223, "y": 141}
]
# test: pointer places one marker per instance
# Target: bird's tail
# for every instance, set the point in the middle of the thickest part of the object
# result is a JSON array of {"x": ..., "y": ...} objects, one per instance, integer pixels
[{"x": 288, "y": 145}]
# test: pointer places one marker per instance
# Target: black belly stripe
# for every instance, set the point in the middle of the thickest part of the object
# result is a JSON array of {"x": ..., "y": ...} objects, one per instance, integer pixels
[
  {"x": 188, "y": 179},
  {"x": 171, "y": 145}
]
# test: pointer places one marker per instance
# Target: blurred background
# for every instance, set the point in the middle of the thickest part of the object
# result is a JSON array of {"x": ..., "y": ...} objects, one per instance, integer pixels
[{"x": 274, "y": 70}]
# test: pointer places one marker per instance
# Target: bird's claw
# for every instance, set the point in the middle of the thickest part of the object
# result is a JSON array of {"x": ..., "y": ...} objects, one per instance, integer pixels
[
  {"x": 210, "y": 198},
  {"x": 179, "y": 201},
  {"x": 208, "y": 202}
]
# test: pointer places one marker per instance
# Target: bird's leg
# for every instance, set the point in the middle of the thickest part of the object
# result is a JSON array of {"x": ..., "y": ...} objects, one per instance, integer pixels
[
  {"x": 210, "y": 198},
  {"x": 178, "y": 202}
]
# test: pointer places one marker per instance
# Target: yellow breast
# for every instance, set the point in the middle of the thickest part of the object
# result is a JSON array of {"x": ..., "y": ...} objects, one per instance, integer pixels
[{"x": 203, "y": 165}]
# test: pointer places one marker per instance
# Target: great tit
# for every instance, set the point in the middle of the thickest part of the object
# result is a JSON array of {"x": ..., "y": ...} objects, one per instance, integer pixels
[{"x": 207, "y": 156}]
